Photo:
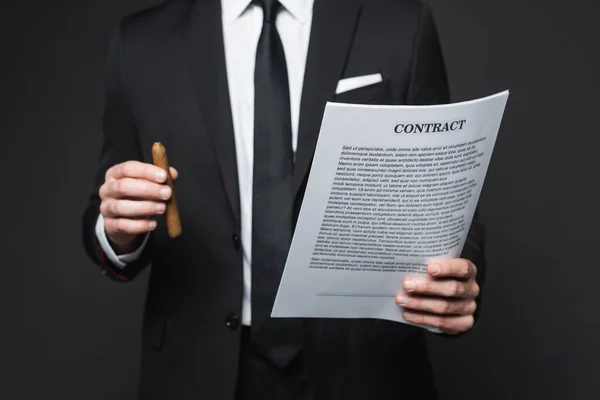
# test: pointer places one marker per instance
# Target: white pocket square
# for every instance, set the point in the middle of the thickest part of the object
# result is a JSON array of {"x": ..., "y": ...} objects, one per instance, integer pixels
[{"x": 356, "y": 82}]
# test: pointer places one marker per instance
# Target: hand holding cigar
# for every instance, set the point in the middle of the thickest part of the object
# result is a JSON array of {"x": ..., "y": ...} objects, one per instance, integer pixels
[
  {"x": 132, "y": 194},
  {"x": 159, "y": 157}
]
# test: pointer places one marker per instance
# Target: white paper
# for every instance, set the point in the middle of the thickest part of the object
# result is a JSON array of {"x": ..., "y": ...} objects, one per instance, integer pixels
[{"x": 391, "y": 188}]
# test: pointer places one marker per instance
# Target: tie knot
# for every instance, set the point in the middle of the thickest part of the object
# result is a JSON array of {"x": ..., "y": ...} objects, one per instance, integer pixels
[{"x": 270, "y": 9}]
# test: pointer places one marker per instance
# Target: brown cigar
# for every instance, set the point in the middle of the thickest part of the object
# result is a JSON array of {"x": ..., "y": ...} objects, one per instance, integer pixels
[{"x": 159, "y": 156}]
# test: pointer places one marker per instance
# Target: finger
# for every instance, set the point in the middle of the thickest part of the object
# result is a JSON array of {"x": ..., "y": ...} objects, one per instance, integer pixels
[
  {"x": 137, "y": 188},
  {"x": 128, "y": 226},
  {"x": 436, "y": 305},
  {"x": 138, "y": 170},
  {"x": 113, "y": 208},
  {"x": 457, "y": 268},
  {"x": 174, "y": 173},
  {"x": 451, "y": 324},
  {"x": 441, "y": 287}
]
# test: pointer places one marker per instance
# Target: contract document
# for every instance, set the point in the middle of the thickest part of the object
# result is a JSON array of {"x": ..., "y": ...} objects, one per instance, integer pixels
[{"x": 391, "y": 188}]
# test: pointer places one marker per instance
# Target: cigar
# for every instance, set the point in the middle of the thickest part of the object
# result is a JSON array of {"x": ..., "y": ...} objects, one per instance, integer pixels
[{"x": 159, "y": 157}]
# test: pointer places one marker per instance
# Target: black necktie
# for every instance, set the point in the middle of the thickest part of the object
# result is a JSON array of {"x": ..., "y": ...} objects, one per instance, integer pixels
[{"x": 272, "y": 219}]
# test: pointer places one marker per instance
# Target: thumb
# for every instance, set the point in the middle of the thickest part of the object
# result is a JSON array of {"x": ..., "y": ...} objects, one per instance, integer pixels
[{"x": 174, "y": 173}]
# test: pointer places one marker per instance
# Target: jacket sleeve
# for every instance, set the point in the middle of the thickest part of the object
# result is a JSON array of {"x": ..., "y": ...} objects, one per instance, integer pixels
[
  {"x": 120, "y": 143},
  {"x": 429, "y": 85}
]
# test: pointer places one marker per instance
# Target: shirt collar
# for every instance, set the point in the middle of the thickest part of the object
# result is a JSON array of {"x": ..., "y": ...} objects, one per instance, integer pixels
[{"x": 300, "y": 9}]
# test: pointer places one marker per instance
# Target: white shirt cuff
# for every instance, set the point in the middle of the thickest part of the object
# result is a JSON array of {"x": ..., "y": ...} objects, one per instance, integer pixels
[{"x": 122, "y": 260}]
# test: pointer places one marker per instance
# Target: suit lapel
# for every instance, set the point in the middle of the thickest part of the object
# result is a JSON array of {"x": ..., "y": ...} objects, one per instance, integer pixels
[
  {"x": 333, "y": 26},
  {"x": 203, "y": 41}
]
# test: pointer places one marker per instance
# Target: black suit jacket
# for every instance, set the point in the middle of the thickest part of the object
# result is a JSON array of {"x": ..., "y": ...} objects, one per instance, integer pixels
[{"x": 167, "y": 82}]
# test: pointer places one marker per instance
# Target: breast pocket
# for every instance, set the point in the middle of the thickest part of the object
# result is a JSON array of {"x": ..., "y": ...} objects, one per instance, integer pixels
[{"x": 377, "y": 93}]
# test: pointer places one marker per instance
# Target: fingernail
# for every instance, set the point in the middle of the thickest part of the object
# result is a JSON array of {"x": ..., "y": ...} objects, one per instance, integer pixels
[
  {"x": 408, "y": 315},
  {"x": 152, "y": 224},
  {"x": 165, "y": 193},
  {"x": 435, "y": 269},
  {"x": 410, "y": 285},
  {"x": 161, "y": 176},
  {"x": 161, "y": 207},
  {"x": 401, "y": 300}
]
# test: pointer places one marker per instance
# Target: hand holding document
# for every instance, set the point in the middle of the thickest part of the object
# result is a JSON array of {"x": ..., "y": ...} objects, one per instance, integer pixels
[{"x": 391, "y": 188}]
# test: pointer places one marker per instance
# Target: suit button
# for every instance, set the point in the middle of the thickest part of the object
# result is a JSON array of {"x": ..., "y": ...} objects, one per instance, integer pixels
[
  {"x": 232, "y": 321},
  {"x": 237, "y": 243}
]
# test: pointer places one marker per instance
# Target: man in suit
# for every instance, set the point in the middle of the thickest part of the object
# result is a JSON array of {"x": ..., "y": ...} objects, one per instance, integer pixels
[{"x": 236, "y": 90}]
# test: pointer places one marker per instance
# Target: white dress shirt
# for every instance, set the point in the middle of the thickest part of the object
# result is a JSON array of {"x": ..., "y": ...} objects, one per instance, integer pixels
[{"x": 242, "y": 24}]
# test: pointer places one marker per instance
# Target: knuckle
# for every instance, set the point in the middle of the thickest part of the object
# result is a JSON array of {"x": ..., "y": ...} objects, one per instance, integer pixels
[
  {"x": 151, "y": 190},
  {"x": 472, "y": 307},
  {"x": 453, "y": 288},
  {"x": 438, "y": 322},
  {"x": 126, "y": 169},
  {"x": 120, "y": 225},
  {"x": 449, "y": 324},
  {"x": 476, "y": 289},
  {"x": 465, "y": 268},
  {"x": 418, "y": 318},
  {"x": 446, "y": 269},
  {"x": 118, "y": 207},
  {"x": 104, "y": 208},
  {"x": 148, "y": 173},
  {"x": 146, "y": 208},
  {"x": 427, "y": 286},
  {"x": 414, "y": 317},
  {"x": 126, "y": 187},
  {"x": 117, "y": 187},
  {"x": 118, "y": 170},
  {"x": 410, "y": 302},
  {"x": 151, "y": 209},
  {"x": 102, "y": 191},
  {"x": 444, "y": 307}
]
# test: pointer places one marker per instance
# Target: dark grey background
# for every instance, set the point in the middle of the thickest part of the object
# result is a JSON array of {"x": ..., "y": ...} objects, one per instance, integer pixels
[{"x": 68, "y": 332}]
